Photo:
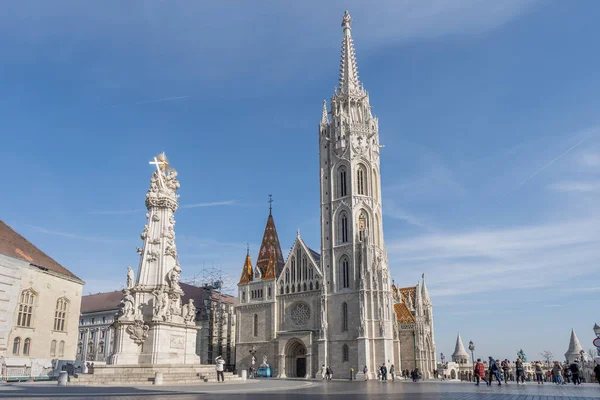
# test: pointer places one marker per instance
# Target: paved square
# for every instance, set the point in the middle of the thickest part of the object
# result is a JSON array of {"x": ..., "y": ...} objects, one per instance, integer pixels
[{"x": 295, "y": 390}]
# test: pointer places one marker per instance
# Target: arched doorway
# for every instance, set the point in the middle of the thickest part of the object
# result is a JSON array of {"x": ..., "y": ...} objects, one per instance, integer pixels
[{"x": 295, "y": 359}]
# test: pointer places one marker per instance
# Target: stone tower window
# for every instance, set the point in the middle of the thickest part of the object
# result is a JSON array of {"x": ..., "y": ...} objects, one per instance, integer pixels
[
  {"x": 26, "y": 308},
  {"x": 61, "y": 348},
  {"x": 60, "y": 314},
  {"x": 53, "y": 348},
  {"x": 255, "y": 327},
  {"x": 345, "y": 281},
  {"x": 344, "y": 317},
  {"x": 360, "y": 180},
  {"x": 345, "y": 353},
  {"x": 342, "y": 184},
  {"x": 26, "y": 347},
  {"x": 344, "y": 227}
]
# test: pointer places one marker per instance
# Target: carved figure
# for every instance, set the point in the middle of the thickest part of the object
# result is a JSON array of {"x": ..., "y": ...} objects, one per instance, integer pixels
[
  {"x": 189, "y": 311},
  {"x": 174, "y": 304},
  {"x": 138, "y": 331},
  {"x": 130, "y": 277},
  {"x": 144, "y": 234},
  {"x": 127, "y": 305},
  {"x": 173, "y": 277}
]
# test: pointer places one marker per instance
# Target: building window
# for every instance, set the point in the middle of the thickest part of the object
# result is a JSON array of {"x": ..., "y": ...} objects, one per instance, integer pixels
[
  {"x": 362, "y": 225},
  {"x": 287, "y": 273},
  {"x": 103, "y": 320},
  {"x": 26, "y": 308},
  {"x": 344, "y": 227},
  {"x": 269, "y": 291},
  {"x": 26, "y": 347},
  {"x": 345, "y": 273},
  {"x": 93, "y": 320},
  {"x": 53, "y": 348},
  {"x": 90, "y": 347},
  {"x": 60, "y": 314},
  {"x": 344, "y": 317},
  {"x": 304, "y": 267},
  {"x": 345, "y": 353},
  {"x": 102, "y": 334},
  {"x": 281, "y": 290},
  {"x": 80, "y": 335},
  {"x": 360, "y": 180},
  {"x": 101, "y": 348},
  {"x": 243, "y": 295},
  {"x": 287, "y": 289},
  {"x": 92, "y": 334},
  {"x": 79, "y": 348},
  {"x": 255, "y": 325},
  {"x": 343, "y": 187},
  {"x": 61, "y": 348},
  {"x": 317, "y": 285},
  {"x": 16, "y": 346},
  {"x": 293, "y": 270}
]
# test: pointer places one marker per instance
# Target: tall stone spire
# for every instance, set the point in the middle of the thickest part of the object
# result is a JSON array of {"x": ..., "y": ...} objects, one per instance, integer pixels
[
  {"x": 574, "y": 351},
  {"x": 324, "y": 118},
  {"x": 425, "y": 293},
  {"x": 348, "y": 68},
  {"x": 460, "y": 355}
]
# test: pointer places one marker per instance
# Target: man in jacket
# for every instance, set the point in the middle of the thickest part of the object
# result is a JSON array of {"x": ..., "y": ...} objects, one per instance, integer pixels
[
  {"x": 505, "y": 370},
  {"x": 220, "y": 366},
  {"x": 520, "y": 371},
  {"x": 575, "y": 372},
  {"x": 494, "y": 372}
]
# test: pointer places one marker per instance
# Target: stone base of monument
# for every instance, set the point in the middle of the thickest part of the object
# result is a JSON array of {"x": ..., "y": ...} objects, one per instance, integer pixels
[
  {"x": 163, "y": 343},
  {"x": 144, "y": 374}
]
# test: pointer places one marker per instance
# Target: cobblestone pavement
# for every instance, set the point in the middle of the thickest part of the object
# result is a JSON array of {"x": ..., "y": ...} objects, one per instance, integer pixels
[{"x": 298, "y": 389}]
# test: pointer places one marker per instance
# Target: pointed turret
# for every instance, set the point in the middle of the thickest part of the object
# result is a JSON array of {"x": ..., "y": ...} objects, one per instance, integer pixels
[
  {"x": 348, "y": 68},
  {"x": 460, "y": 355},
  {"x": 247, "y": 269},
  {"x": 425, "y": 293},
  {"x": 270, "y": 244},
  {"x": 418, "y": 301},
  {"x": 324, "y": 118},
  {"x": 575, "y": 349}
]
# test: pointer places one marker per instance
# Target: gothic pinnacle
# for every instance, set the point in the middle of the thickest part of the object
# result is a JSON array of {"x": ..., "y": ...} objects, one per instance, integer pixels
[
  {"x": 348, "y": 67},
  {"x": 324, "y": 119}
]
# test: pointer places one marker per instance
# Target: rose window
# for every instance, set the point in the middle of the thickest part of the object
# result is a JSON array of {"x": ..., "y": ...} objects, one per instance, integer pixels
[{"x": 300, "y": 314}]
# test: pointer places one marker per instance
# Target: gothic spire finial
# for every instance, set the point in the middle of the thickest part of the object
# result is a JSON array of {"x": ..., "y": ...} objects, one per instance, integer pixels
[
  {"x": 298, "y": 232},
  {"x": 348, "y": 68},
  {"x": 247, "y": 248},
  {"x": 324, "y": 119},
  {"x": 270, "y": 204}
]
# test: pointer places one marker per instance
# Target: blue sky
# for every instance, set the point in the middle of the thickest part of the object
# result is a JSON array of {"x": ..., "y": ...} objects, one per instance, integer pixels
[{"x": 488, "y": 113}]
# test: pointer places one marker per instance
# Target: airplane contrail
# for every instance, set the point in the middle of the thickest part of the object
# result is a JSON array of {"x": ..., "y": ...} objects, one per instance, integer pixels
[{"x": 148, "y": 101}]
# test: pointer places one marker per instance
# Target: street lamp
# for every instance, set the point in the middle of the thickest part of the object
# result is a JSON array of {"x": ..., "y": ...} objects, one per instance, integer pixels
[
  {"x": 472, "y": 348},
  {"x": 597, "y": 330}
]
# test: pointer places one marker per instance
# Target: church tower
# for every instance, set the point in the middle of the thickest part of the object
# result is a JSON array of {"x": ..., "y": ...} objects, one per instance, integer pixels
[{"x": 359, "y": 329}]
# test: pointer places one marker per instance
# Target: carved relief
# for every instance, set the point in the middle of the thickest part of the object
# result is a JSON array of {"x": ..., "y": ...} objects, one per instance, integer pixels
[
  {"x": 138, "y": 332},
  {"x": 177, "y": 342},
  {"x": 152, "y": 256},
  {"x": 130, "y": 277},
  {"x": 173, "y": 277},
  {"x": 144, "y": 233},
  {"x": 189, "y": 311},
  {"x": 127, "y": 305}
]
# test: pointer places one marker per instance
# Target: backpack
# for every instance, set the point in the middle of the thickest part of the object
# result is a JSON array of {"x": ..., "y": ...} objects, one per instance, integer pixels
[{"x": 494, "y": 366}]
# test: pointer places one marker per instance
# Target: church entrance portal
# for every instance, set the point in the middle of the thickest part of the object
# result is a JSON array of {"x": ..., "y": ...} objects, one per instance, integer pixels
[{"x": 295, "y": 359}]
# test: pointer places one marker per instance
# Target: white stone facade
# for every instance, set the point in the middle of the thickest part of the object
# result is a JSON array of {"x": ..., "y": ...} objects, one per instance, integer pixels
[
  {"x": 335, "y": 308},
  {"x": 96, "y": 336}
]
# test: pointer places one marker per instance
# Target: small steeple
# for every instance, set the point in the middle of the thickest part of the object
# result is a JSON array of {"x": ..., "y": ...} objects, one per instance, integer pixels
[
  {"x": 574, "y": 352},
  {"x": 460, "y": 355},
  {"x": 418, "y": 301},
  {"x": 425, "y": 293},
  {"x": 270, "y": 244},
  {"x": 247, "y": 268},
  {"x": 348, "y": 68},
  {"x": 324, "y": 118}
]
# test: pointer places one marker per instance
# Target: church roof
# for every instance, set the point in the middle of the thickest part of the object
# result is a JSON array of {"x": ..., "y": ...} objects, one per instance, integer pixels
[
  {"x": 459, "y": 349},
  {"x": 270, "y": 244},
  {"x": 574, "y": 345},
  {"x": 246, "y": 269},
  {"x": 270, "y": 270},
  {"x": 14, "y": 245},
  {"x": 406, "y": 293},
  {"x": 316, "y": 256},
  {"x": 403, "y": 314}
]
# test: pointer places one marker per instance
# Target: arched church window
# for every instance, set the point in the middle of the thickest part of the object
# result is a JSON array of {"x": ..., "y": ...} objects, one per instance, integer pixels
[
  {"x": 287, "y": 274},
  {"x": 344, "y": 317},
  {"x": 293, "y": 268},
  {"x": 317, "y": 285},
  {"x": 293, "y": 289},
  {"x": 345, "y": 273},
  {"x": 344, "y": 227},
  {"x": 311, "y": 286},
  {"x": 287, "y": 289},
  {"x": 310, "y": 273},
  {"x": 345, "y": 353},
  {"x": 362, "y": 225},
  {"x": 342, "y": 184},
  {"x": 281, "y": 290},
  {"x": 304, "y": 286},
  {"x": 304, "y": 267},
  {"x": 255, "y": 327},
  {"x": 299, "y": 287},
  {"x": 361, "y": 177}
]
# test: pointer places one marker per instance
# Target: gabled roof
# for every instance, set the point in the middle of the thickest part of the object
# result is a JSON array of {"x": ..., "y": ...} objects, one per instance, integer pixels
[
  {"x": 270, "y": 243},
  {"x": 316, "y": 256},
  {"x": 403, "y": 314},
  {"x": 14, "y": 245},
  {"x": 101, "y": 301}
]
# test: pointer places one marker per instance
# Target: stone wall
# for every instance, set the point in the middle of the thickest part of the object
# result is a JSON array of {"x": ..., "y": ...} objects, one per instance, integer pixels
[{"x": 10, "y": 281}]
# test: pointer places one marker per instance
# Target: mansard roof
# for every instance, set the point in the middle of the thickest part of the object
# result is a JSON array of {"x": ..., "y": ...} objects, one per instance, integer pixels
[
  {"x": 270, "y": 243},
  {"x": 14, "y": 245}
]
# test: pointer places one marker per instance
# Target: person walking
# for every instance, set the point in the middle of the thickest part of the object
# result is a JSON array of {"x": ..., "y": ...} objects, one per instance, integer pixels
[
  {"x": 383, "y": 372},
  {"x": 494, "y": 372},
  {"x": 393, "y": 373},
  {"x": 506, "y": 370},
  {"x": 539, "y": 375},
  {"x": 366, "y": 373},
  {"x": 557, "y": 372},
  {"x": 597, "y": 372},
  {"x": 575, "y": 373},
  {"x": 219, "y": 363},
  {"x": 323, "y": 372},
  {"x": 479, "y": 372},
  {"x": 520, "y": 371}
]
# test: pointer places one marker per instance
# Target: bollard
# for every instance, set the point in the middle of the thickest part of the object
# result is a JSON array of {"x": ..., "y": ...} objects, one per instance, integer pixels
[
  {"x": 244, "y": 374},
  {"x": 62, "y": 378},
  {"x": 158, "y": 378}
]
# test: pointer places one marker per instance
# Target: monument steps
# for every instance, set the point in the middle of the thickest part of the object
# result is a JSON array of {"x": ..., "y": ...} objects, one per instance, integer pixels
[{"x": 148, "y": 379}]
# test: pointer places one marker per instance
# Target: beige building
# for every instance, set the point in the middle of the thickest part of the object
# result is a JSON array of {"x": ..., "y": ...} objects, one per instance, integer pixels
[{"x": 40, "y": 304}]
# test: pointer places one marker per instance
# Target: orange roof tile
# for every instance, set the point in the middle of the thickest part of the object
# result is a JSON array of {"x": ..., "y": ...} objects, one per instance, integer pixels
[
  {"x": 270, "y": 272},
  {"x": 246, "y": 270},
  {"x": 403, "y": 314}
]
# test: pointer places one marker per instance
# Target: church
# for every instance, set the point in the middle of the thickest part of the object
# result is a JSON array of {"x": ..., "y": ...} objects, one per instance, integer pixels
[{"x": 337, "y": 307}]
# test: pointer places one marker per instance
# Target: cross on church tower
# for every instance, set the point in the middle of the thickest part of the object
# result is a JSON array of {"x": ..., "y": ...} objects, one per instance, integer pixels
[
  {"x": 270, "y": 203},
  {"x": 159, "y": 164}
]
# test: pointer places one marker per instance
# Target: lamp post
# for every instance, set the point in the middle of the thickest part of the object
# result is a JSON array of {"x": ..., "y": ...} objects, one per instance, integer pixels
[
  {"x": 472, "y": 348},
  {"x": 443, "y": 366}
]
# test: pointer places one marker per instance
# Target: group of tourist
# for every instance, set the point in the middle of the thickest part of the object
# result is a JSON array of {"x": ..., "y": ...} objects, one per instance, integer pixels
[
  {"x": 326, "y": 373},
  {"x": 501, "y": 371}
]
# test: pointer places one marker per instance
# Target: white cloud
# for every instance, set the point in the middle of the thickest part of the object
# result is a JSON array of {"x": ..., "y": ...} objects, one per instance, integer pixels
[
  {"x": 210, "y": 204},
  {"x": 590, "y": 159}
]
